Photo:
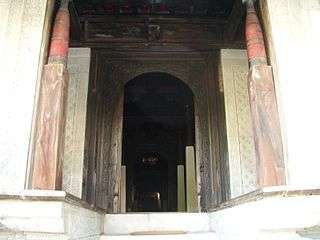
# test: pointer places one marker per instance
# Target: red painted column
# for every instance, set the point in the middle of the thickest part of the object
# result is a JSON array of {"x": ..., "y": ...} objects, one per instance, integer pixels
[
  {"x": 264, "y": 110},
  {"x": 50, "y": 122},
  {"x": 59, "y": 45},
  {"x": 254, "y": 38}
]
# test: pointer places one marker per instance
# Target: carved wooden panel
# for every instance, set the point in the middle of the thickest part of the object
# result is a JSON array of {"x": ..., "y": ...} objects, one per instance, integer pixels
[
  {"x": 154, "y": 31},
  {"x": 116, "y": 71}
]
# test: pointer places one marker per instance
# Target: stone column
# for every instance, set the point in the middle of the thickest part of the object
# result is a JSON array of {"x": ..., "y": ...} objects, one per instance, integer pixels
[
  {"x": 191, "y": 178},
  {"x": 263, "y": 102},
  {"x": 24, "y": 29},
  {"x": 50, "y": 122},
  {"x": 293, "y": 37},
  {"x": 241, "y": 150},
  {"x": 73, "y": 160}
]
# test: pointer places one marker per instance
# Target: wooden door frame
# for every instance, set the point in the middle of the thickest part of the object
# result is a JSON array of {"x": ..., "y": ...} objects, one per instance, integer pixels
[{"x": 112, "y": 70}]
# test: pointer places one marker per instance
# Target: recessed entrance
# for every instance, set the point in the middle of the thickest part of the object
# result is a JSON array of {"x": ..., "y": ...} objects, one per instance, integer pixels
[
  {"x": 148, "y": 147},
  {"x": 158, "y": 125}
]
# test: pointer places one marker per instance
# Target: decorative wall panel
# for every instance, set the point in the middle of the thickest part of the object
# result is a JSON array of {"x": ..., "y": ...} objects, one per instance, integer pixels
[
  {"x": 78, "y": 65},
  {"x": 242, "y": 162}
]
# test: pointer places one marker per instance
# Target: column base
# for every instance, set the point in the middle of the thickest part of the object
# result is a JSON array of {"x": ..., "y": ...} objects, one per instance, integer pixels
[
  {"x": 283, "y": 212},
  {"x": 37, "y": 214}
]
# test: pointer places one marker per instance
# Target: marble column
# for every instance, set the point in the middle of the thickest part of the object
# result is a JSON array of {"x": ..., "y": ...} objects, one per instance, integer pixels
[
  {"x": 24, "y": 30},
  {"x": 292, "y": 33}
]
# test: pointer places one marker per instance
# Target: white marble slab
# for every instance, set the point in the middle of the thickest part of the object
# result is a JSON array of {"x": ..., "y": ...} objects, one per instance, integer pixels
[
  {"x": 190, "y": 236},
  {"x": 122, "y": 224}
]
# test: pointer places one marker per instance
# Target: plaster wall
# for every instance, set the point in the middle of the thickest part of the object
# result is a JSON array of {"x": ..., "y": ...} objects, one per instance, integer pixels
[
  {"x": 78, "y": 66},
  {"x": 241, "y": 155},
  {"x": 292, "y": 31},
  {"x": 22, "y": 34}
]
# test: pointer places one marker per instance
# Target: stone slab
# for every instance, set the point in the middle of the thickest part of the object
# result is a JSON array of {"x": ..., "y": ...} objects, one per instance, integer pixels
[
  {"x": 48, "y": 212},
  {"x": 126, "y": 224},
  {"x": 190, "y": 236},
  {"x": 270, "y": 215},
  {"x": 241, "y": 155},
  {"x": 78, "y": 67},
  {"x": 191, "y": 182}
]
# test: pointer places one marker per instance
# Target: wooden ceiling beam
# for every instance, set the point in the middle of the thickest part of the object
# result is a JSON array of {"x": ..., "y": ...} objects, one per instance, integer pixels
[{"x": 156, "y": 47}]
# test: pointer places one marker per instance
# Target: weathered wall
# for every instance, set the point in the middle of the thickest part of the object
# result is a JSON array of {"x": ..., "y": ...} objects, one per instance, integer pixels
[
  {"x": 23, "y": 31},
  {"x": 78, "y": 66},
  {"x": 242, "y": 162},
  {"x": 292, "y": 31}
]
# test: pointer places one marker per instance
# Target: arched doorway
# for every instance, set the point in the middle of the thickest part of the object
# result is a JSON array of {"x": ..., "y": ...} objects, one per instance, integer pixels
[
  {"x": 158, "y": 125},
  {"x": 103, "y": 160}
]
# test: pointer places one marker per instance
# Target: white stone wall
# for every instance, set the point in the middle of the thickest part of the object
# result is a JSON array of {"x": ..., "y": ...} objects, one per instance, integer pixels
[
  {"x": 292, "y": 29},
  {"x": 22, "y": 30},
  {"x": 242, "y": 161},
  {"x": 79, "y": 67}
]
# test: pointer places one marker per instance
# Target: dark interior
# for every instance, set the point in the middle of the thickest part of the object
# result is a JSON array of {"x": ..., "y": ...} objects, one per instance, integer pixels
[
  {"x": 158, "y": 124},
  {"x": 214, "y": 8}
]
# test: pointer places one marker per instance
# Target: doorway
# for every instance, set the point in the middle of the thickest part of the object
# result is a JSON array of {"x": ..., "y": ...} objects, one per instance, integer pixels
[
  {"x": 105, "y": 163},
  {"x": 158, "y": 124}
]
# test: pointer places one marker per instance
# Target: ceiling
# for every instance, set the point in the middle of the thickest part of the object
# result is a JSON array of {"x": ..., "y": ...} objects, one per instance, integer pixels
[{"x": 214, "y": 8}]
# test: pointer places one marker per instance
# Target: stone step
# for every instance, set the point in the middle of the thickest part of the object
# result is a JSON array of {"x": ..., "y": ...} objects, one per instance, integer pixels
[
  {"x": 10, "y": 235},
  {"x": 165, "y": 236},
  {"x": 128, "y": 224}
]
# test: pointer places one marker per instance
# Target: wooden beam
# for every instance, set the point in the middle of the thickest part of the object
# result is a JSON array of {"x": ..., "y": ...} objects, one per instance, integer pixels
[
  {"x": 163, "y": 46},
  {"x": 153, "y": 19},
  {"x": 193, "y": 33},
  {"x": 234, "y": 21}
]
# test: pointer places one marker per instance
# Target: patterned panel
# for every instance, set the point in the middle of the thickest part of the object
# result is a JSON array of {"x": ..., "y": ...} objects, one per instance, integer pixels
[
  {"x": 242, "y": 161},
  {"x": 246, "y": 143},
  {"x": 78, "y": 65}
]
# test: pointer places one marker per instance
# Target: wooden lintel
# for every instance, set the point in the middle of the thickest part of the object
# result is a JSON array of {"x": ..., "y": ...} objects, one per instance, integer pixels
[
  {"x": 50, "y": 127},
  {"x": 155, "y": 18},
  {"x": 157, "y": 47},
  {"x": 234, "y": 21}
]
